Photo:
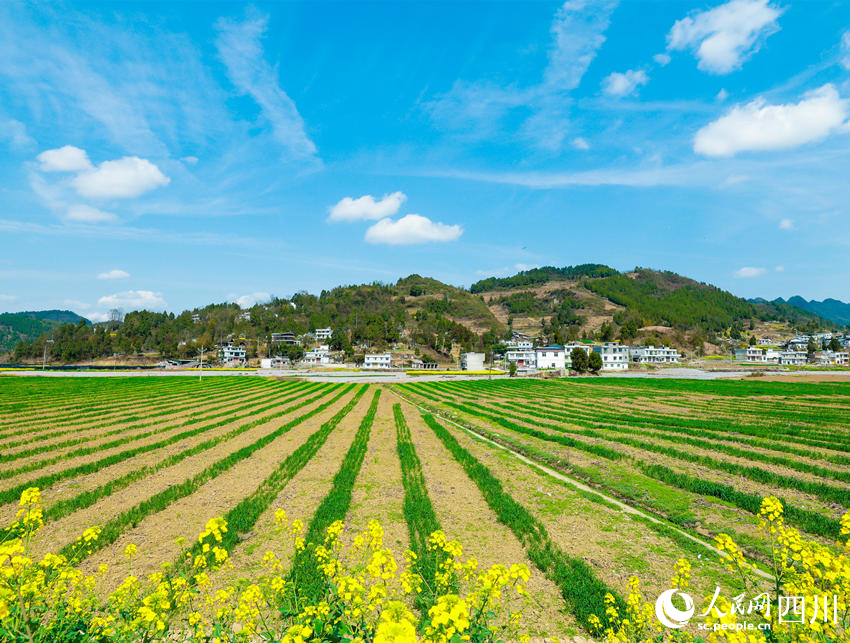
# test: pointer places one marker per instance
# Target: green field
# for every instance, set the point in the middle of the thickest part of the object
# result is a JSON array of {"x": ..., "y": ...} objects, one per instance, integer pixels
[{"x": 152, "y": 459}]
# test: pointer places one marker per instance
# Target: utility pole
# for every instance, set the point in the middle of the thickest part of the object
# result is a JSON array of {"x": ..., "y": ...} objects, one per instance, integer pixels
[
  {"x": 44, "y": 358},
  {"x": 201, "y": 369}
]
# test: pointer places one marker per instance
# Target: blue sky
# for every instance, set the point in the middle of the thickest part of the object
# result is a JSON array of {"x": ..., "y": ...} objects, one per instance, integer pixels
[{"x": 168, "y": 155}]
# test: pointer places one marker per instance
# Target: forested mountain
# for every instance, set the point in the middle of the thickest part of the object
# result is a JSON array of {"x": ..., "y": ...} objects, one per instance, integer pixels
[
  {"x": 17, "y": 327},
  {"x": 590, "y": 301},
  {"x": 831, "y": 309}
]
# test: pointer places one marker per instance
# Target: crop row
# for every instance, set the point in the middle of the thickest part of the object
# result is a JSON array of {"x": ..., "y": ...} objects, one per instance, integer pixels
[
  {"x": 603, "y": 421},
  {"x": 154, "y": 419},
  {"x": 418, "y": 511},
  {"x": 88, "y": 498},
  {"x": 581, "y": 408},
  {"x": 10, "y": 495},
  {"x": 305, "y": 572},
  {"x": 227, "y": 414},
  {"x": 810, "y": 521},
  {"x": 114, "y": 527},
  {"x": 118, "y": 403},
  {"x": 582, "y": 591},
  {"x": 47, "y": 427}
]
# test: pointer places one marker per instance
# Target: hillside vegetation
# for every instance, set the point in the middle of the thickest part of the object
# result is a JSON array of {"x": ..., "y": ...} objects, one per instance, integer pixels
[
  {"x": 589, "y": 301},
  {"x": 17, "y": 327}
]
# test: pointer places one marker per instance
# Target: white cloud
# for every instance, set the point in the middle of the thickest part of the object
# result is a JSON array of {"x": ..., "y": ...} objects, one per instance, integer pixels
[
  {"x": 191, "y": 160},
  {"x": 125, "y": 178},
  {"x": 411, "y": 229},
  {"x": 662, "y": 59},
  {"x": 134, "y": 300},
  {"x": 98, "y": 317},
  {"x": 749, "y": 271},
  {"x": 87, "y": 214},
  {"x": 757, "y": 126},
  {"x": 786, "y": 224},
  {"x": 114, "y": 274},
  {"x": 366, "y": 208},
  {"x": 246, "y": 301},
  {"x": 8, "y": 298},
  {"x": 721, "y": 95},
  {"x": 780, "y": 268},
  {"x": 623, "y": 84},
  {"x": 64, "y": 159},
  {"x": 727, "y": 35},
  {"x": 240, "y": 48},
  {"x": 15, "y": 132},
  {"x": 526, "y": 266},
  {"x": 580, "y": 143}
]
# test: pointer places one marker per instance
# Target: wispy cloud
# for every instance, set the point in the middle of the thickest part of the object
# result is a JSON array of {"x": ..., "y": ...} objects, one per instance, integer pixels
[
  {"x": 479, "y": 109},
  {"x": 134, "y": 300},
  {"x": 748, "y": 272},
  {"x": 114, "y": 274},
  {"x": 239, "y": 45}
]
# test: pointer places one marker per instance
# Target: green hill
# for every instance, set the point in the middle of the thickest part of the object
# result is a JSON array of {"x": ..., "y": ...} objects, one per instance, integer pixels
[
  {"x": 589, "y": 301},
  {"x": 18, "y": 327}
]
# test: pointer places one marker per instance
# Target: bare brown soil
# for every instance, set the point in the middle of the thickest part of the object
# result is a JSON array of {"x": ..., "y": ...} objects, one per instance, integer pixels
[
  {"x": 378, "y": 492},
  {"x": 613, "y": 544},
  {"x": 156, "y": 534},
  {"x": 300, "y": 497}
]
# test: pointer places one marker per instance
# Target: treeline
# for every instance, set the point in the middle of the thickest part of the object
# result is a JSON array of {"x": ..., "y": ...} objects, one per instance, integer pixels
[{"x": 537, "y": 276}]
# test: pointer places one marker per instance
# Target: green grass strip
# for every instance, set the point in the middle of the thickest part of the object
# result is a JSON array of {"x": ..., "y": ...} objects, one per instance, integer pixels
[
  {"x": 583, "y": 592},
  {"x": 308, "y": 578},
  {"x": 113, "y": 528}
]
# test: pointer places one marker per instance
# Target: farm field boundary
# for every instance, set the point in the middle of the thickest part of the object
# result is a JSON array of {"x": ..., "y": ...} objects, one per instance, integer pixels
[{"x": 627, "y": 508}]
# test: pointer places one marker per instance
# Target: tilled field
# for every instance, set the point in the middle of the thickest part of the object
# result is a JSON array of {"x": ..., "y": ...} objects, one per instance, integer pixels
[{"x": 150, "y": 460}]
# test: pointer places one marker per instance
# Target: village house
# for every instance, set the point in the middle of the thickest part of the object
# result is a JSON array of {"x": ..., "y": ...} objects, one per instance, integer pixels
[
  {"x": 323, "y": 333},
  {"x": 615, "y": 357},
  {"x": 244, "y": 315},
  {"x": 525, "y": 360},
  {"x": 284, "y": 338},
  {"x": 831, "y": 358},
  {"x": 231, "y": 355},
  {"x": 274, "y": 362},
  {"x": 568, "y": 352},
  {"x": 377, "y": 360},
  {"x": 421, "y": 365},
  {"x": 793, "y": 358},
  {"x": 317, "y": 356},
  {"x": 653, "y": 355},
  {"x": 472, "y": 362},
  {"x": 550, "y": 357}
]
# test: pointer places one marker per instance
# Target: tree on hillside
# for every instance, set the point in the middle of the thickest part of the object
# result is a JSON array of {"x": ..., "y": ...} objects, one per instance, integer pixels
[
  {"x": 512, "y": 369},
  {"x": 812, "y": 347},
  {"x": 579, "y": 360},
  {"x": 594, "y": 362},
  {"x": 752, "y": 340},
  {"x": 606, "y": 332},
  {"x": 834, "y": 344}
]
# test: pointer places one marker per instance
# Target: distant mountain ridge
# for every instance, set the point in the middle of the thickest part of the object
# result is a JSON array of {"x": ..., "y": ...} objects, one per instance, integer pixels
[
  {"x": 31, "y": 324},
  {"x": 831, "y": 309}
]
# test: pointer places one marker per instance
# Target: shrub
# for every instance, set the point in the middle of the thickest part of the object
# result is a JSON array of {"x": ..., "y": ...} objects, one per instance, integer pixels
[{"x": 364, "y": 596}]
